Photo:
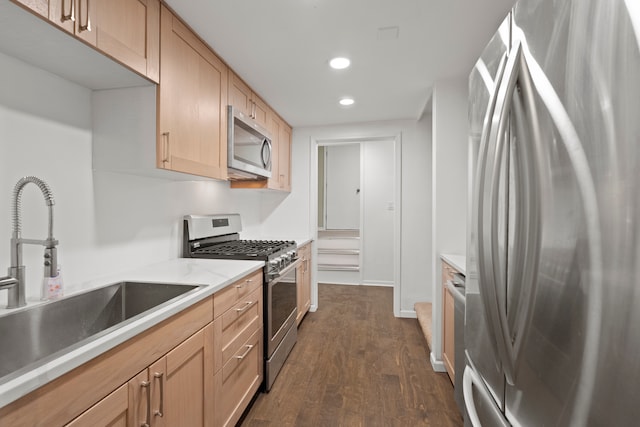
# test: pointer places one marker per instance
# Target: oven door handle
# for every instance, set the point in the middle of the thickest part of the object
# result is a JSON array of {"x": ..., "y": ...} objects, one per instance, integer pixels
[{"x": 274, "y": 277}]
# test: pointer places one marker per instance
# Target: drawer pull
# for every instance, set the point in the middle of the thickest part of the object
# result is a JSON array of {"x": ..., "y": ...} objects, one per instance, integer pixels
[
  {"x": 242, "y": 356},
  {"x": 72, "y": 14},
  {"x": 246, "y": 282},
  {"x": 87, "y": 25},
  {"x": 160, "y": 412},
  {"x": 244, "y": 307},
  {"x": 146, "y": 385}
]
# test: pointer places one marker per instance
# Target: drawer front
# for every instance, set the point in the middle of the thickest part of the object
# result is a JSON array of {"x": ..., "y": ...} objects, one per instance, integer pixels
[
  {"x": 229, "y": 296},
  {"x": 447, "y": 272},
  {"x": 238, "y": 326},
  {"x": 238, "y": 381},
  {"x": 244, "y": 365}
]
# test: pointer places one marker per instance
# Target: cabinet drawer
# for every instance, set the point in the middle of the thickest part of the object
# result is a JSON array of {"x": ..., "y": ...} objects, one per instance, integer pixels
[
  {"x": 229, "y": 296},
  {"x": 238, "y": 381},
  {"x": 238, "y": 326},
  {"x": 447, "y": 272}
]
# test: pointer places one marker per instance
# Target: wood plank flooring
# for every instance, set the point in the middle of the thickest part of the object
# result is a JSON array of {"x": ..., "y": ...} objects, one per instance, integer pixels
[{"x": 355, "y": 364}]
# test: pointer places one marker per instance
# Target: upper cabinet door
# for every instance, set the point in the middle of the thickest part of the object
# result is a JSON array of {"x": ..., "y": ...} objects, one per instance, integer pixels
[
  {"x": 126, "y": 30},
  {"x": 284, "y": 157},
  {"x": 245, "y": 100},
  {"x": 240, "y": 94},
  {"x": 41, "y": 7},
  {"x": 192, "y": 103},
  {"x": 260, "y": 111}
]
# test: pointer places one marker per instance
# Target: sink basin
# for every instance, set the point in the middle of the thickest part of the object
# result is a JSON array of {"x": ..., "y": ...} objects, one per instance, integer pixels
[{"x": 36, "y": 335}]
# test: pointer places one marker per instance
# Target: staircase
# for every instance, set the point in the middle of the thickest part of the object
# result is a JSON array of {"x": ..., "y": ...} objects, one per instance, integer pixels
[{"x": 339, "y": 256}]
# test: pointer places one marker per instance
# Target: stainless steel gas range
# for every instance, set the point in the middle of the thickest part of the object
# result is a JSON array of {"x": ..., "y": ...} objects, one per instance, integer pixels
[{"x": 217, "y": 237}]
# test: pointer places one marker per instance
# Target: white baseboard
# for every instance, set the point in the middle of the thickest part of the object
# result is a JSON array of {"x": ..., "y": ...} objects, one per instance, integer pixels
[
  {"x": 408, "y": 314},
  {"x": 437, "y": 365}
]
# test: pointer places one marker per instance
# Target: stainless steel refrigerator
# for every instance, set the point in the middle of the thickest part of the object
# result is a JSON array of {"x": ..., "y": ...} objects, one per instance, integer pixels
[{"x": 552, "y": 322}]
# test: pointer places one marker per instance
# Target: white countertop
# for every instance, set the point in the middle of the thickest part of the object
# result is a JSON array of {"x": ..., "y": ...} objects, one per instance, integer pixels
[
  {"x": 459, "y": 262},
  {"x": 212, "y": 274}
]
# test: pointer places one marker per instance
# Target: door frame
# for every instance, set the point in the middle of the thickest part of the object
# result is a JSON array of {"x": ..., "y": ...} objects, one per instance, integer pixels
[{"x": 396, "y": 139}]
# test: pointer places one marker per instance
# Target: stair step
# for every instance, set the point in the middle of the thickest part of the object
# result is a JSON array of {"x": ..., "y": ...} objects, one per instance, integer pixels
[
  {"x": 338, "y": 251},
  {"x": 338, "y": 243},
  {"x": 423, "y": 313},
  {"x": 338, "y": 267}
]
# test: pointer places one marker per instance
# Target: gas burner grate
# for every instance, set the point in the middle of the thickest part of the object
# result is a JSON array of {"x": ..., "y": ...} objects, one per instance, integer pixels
[{"x": 249, "y": 248}]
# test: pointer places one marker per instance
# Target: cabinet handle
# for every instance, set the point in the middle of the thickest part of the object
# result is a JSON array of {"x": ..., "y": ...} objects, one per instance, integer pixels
[
  {"x": 242, "y": 285},
  {"x": 165, "y": 137},
  {"x": 146, "y": 384},
  {"x": 243, "y": 355},
  {"x": 87, "y": 26},
  {"x": 159, "y": 412},
  {"x": 253, "y": 110},
  {"x": 247, "y": 304},
  {"x": 72, "y": 12}
]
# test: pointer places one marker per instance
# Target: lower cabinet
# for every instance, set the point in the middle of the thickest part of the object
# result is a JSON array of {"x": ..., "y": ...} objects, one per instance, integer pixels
[
  {"x": 448, "y": 322},
  {"x": 238, "y": 349},
  {"x": 304, "y": 282},
  {"x": 170, "y": 392},
  {"x": 112, "y": 411},
  {"x": 238, "y": 380}
]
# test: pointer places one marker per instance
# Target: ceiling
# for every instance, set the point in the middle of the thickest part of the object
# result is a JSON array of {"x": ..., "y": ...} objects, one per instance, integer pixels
[{"x": 281, "y": 48}]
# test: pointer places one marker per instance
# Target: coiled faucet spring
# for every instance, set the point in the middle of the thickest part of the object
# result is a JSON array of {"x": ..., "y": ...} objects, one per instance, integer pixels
[{"x": 15, "y": 281}]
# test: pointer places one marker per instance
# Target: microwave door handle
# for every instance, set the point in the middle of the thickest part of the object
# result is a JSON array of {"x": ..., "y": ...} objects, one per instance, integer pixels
[{"x": 266, "y": 152}]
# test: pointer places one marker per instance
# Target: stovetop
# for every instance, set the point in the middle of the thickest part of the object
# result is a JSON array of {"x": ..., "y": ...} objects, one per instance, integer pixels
[
  {"x": 244, "y": 249},
  {"x": 217, "y": 237}
]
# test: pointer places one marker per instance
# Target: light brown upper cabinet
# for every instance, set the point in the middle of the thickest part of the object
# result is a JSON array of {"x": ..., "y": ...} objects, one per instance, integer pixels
[
  {"x": 281, "y": 158},
  {"x": 192, "y": 100},
  {"x": 244, "y": 99},
  {"x": 284, "y": 157},
  {"x": 126, "y": 30}
]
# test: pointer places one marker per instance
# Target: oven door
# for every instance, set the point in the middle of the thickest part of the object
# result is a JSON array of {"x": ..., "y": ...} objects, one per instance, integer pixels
[{"x": 281, "y": 306}]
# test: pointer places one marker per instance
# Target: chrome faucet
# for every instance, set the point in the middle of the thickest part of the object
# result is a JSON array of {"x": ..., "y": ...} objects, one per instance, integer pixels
[{"x": 15, "y": 281}]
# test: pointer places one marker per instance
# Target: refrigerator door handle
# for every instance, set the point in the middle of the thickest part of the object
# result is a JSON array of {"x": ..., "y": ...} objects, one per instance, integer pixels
[
  {"x": 471, "y": 380},
  {"x": 528, "y": 229},
  {"x": 495, "y": 305},
  {"x": 480, "y": 197}
]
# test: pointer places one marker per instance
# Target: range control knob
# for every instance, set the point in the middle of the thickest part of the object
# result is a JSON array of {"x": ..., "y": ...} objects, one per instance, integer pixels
[{"x": 275, "y": 263}]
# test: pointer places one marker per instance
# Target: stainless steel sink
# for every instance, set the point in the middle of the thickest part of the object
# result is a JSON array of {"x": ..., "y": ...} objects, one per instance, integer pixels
[{"x": 36, "y": 335}]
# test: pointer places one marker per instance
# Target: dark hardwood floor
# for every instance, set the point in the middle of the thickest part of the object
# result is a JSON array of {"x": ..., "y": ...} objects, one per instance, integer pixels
[{"x": 355, "y": 364}]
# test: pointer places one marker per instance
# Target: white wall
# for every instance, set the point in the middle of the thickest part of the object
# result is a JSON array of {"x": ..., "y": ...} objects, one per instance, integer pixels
[
  {"x": 415, "y": 268},
  {"x": 449, "y": 105},
  {"x": 105, "y": 222}
]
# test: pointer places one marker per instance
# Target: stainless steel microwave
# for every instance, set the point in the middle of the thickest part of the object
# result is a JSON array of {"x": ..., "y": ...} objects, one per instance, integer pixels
[{"x": 249, "y": 147}]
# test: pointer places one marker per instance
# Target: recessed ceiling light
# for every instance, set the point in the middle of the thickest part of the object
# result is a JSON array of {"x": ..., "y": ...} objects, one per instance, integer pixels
[
  {"x": 346, "y": 101},
  {"x": 339, "y": 63}
]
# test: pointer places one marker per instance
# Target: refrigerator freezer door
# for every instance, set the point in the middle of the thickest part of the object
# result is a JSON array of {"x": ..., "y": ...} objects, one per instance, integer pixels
[
  {"x": 483, "y": 82},
  {"x": 579, "y": 361}
]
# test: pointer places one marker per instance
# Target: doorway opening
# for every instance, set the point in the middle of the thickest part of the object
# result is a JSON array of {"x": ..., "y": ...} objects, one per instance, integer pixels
[{"x": 356, "y": 189}]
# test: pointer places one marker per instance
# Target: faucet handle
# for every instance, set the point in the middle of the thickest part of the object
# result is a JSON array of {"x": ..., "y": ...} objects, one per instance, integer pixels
[
  {"x": 8, "y": 282},
  {"x": 51, "y": 262}
]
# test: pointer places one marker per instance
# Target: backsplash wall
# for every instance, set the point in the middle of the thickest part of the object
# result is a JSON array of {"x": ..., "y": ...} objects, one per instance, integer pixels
[{"x": 106, "y": 222}]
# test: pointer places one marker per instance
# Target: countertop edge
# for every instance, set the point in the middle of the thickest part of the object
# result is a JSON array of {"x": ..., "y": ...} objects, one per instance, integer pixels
[
  {"x": 459, "y": 262},
  {"x": 19, "y": 387}
]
